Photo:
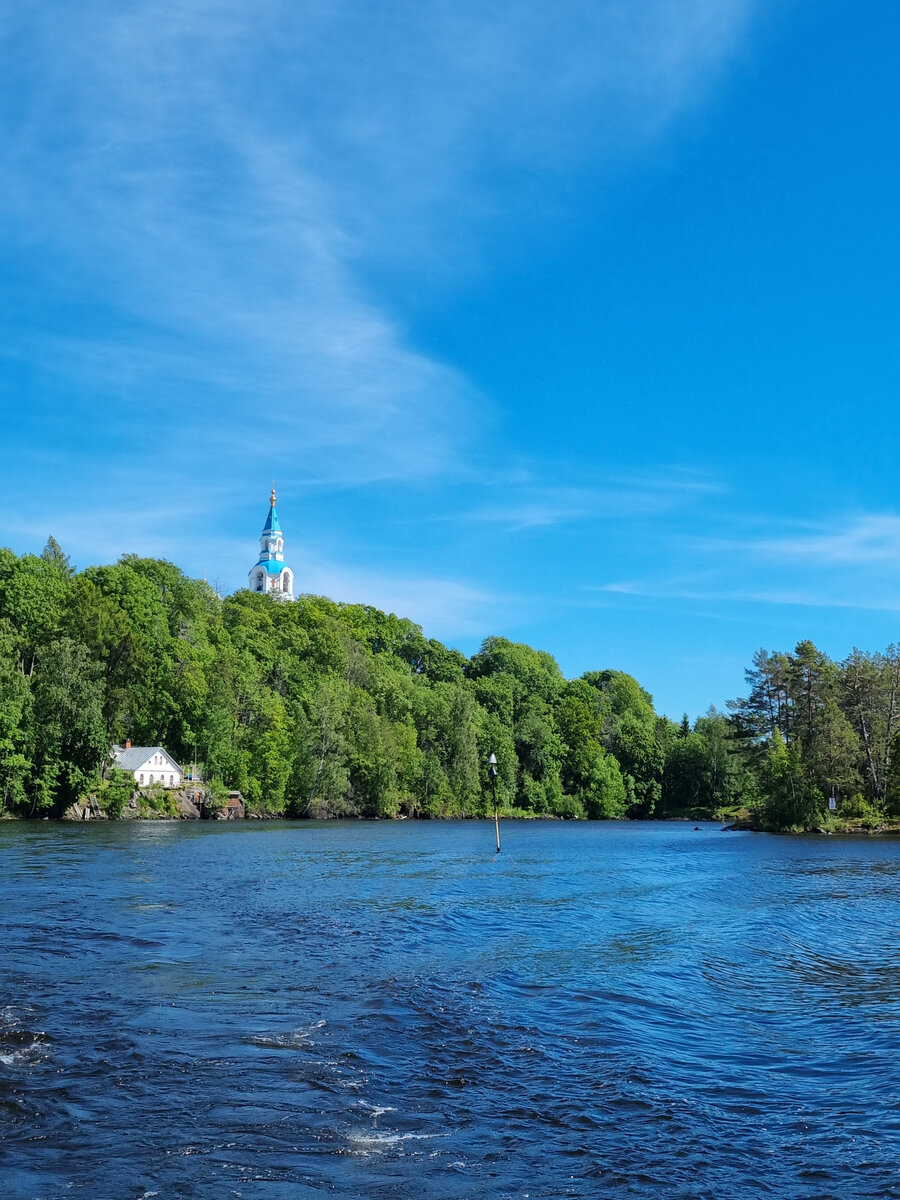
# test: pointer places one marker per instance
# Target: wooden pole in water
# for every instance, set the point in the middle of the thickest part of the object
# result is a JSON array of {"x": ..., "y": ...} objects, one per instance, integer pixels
[{"x": 493, "y": 772}]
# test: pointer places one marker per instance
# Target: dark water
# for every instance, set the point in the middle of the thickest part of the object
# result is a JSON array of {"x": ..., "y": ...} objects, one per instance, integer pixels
[{"x": 388, "y": 1010}]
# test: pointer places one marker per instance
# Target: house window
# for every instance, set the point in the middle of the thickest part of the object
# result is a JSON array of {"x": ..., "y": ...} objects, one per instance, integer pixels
[
  {"x": 142, "y": 777},
  {"x": 171, "y": 781},
  {"x": 151, "y": 776}
]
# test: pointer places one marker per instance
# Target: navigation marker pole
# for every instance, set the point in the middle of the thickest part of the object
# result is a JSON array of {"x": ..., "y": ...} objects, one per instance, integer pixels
[{"x": 492, "y": 771}]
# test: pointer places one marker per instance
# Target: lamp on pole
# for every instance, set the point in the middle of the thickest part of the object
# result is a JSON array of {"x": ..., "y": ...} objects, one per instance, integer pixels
[{"x": 492, "y": 771}]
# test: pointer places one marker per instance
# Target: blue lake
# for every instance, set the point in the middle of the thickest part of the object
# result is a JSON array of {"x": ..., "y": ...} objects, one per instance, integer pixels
[{"x": 390, "y": 1010}]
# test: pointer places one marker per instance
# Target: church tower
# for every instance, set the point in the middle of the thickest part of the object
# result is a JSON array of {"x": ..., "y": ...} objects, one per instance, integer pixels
[{"x": 270, "y": 575}]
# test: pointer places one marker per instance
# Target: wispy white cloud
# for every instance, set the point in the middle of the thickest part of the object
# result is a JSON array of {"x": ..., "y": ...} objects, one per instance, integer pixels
[
  {"x": 827, "y": 597},
  {"x": 524, "y": 499},
  {"x": 855, "y": 541},
  {"x": 445, "y": 608},
  {"x": 851, "y": 562},
  {"x": 227, "y": 181},
  {"x": 88, "y": 541}
]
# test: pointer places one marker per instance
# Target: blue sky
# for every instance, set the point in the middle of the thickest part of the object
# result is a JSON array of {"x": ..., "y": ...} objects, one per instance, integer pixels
[{"x": 572, "y": 322}]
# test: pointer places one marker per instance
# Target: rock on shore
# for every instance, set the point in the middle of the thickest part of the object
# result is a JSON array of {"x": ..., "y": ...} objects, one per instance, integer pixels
[{"x": 188, "y": 802}]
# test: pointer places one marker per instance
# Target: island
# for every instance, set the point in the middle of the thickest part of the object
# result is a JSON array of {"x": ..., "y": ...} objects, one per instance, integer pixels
[{"x": 314, "y": 708}]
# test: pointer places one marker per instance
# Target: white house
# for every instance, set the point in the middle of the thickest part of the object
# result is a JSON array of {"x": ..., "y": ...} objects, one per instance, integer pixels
[
  {"x": 270, "y": 575},
  {"x": 149, "y": 764}
]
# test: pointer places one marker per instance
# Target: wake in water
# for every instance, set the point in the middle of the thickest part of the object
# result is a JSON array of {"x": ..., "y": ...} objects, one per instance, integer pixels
[
  {"x": 21, "y": 1046},
  {"x": 297, "y": 1039},
  {"x": 608, "y": 1011},
  {"x": 368, "y": 1143}
]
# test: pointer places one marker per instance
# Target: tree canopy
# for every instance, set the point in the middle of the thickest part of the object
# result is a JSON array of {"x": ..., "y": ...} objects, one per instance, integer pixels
[
  {"x": 311, "y": 708},
  {"x": 317, "y": 708}
]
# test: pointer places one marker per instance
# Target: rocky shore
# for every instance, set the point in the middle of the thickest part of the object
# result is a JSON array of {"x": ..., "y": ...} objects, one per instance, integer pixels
[{"x": 185, "y": 804}]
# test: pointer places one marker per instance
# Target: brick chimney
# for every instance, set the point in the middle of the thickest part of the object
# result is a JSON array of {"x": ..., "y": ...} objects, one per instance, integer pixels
[{"x": 128, "y": 743}]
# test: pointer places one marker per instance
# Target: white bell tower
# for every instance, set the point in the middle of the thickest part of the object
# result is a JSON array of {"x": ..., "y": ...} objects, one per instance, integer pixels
[{"x": 270, "y": 575}]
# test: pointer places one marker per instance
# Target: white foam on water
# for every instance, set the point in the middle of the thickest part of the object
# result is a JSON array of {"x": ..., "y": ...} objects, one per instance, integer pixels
[
  {"x": 11, "y": 1029},
  {"x": 297, "y": 1039},
  {"x": 367, "y": 1143},
  {"x": 376, "y": 1110}
]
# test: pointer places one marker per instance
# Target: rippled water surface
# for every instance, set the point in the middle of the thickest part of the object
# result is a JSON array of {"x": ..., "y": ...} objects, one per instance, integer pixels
[{"x": 391, "y": 1010}]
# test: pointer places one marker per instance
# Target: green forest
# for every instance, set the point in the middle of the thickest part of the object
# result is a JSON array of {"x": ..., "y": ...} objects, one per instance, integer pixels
[{"x": 321, "y": 709}]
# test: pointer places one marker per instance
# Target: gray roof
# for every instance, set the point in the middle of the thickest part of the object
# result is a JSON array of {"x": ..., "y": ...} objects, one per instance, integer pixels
[{"x": 134, "y": 757}]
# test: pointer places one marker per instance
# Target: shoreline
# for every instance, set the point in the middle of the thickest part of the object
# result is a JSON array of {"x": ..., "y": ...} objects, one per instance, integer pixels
[{"x": 850, "y": 828}]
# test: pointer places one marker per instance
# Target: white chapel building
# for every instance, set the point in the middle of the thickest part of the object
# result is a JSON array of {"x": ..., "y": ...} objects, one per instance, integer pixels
[{"x": 270, "y": 575}]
